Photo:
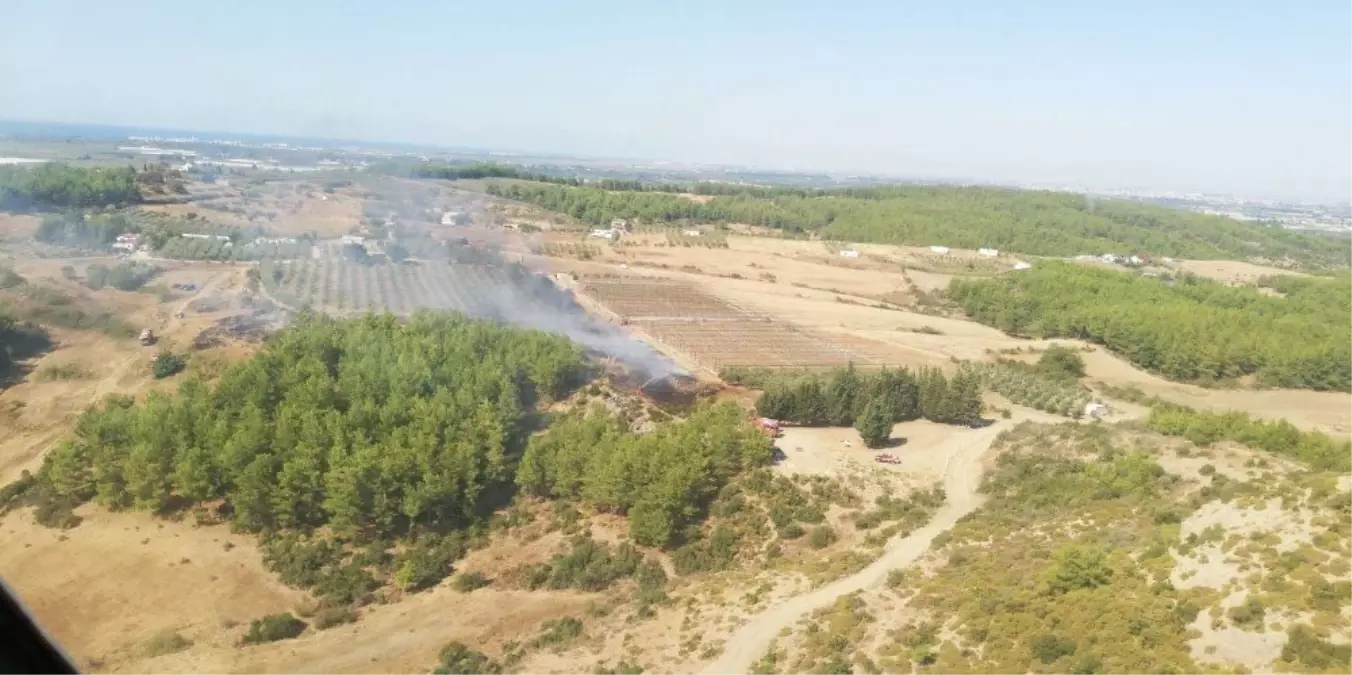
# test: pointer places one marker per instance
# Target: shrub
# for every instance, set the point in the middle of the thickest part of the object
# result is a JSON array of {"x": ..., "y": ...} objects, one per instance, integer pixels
[
  {"x": 1060, "y": 362},
  {"x": 1305, "y": 649},
  {"x": 166, "y": 642},
  {"x": 821, "y": 537},
  {"x": 1248, "y": 615},
  {"x": 65, "y": 371},
  {"x": 457, "y": 659},
  {"x": 168, "y": 364},
  {"x": 10, "y": 279},
  {"x": 710, "y": 554},
  {"x": 1078, "y": 568},
  {"x": 557, "y": 632},
  {"x": 334, "y": 616},
  {"x": 469, "y": 581},
  {"x": 427, "y": 562},
  {"x": 590, "y": 566},
  {"x": 1047, "y": 648},
  {"x": 274, "y": 627}
]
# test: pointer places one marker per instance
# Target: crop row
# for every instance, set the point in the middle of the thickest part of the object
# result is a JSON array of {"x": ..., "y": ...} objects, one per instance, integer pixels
[{"x": 1058, "y": 397}]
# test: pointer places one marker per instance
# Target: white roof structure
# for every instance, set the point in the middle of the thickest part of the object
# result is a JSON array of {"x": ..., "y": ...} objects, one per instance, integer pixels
[{"x": 850, "y": 254}]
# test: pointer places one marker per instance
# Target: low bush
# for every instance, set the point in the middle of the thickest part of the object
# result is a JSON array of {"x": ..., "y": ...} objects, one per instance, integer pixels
[
  {"x": 65, "y": 371},
  {"x": 558, "y": 632},
  {"x": 707, "y": 554},
  {"x": 166, "y": 642},
  {"x": 274, "y": 627},
  {"x": 469, "y": 581},
  {"x": 427, "y": 561},
  {"x": 168, "y": 364},
  {"x": 821, "y": 537},
  {"x": 1306, "y": 651},
  {"x": 334, "y": 616},
  {"x": 590, "y": 566},
  {"x": 457, "y": 659}
]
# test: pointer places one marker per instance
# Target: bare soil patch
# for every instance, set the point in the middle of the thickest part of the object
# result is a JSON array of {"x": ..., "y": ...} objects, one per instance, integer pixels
[{"x": 1231, "y": 271}]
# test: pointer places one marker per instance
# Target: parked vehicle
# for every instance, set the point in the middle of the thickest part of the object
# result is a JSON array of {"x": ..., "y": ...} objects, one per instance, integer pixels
[{"x": 767, "y": 425}]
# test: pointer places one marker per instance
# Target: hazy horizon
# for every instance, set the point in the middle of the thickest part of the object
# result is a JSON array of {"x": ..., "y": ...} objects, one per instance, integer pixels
[{"x": 1236, "y": 98}]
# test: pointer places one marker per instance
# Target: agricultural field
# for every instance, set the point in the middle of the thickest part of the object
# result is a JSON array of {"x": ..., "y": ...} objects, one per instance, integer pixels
[
  {"x": 763, "y": 343},
  {"x": 338, "y": 286},
  {"x": 647, "y": 299},
  {"x": 718, "y": 334}
]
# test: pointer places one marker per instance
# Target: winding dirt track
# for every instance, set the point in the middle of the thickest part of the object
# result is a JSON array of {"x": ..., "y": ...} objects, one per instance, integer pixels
[{"x": 962, "y": 477}]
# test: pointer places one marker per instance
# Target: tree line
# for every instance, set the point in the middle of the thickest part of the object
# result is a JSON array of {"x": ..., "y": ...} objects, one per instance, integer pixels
[
  {"x": 873, "y": 401},
  {"x": 367, "y": 427},
  {"x": 1281, "y": 437},
  {"x": 663, "y": 481},
  {"x": 468, "y": 171},
  {"x": 1189, "y": 329},
  {"x": 50, "y": 185},
  {"x": 1034, "y": 222}
]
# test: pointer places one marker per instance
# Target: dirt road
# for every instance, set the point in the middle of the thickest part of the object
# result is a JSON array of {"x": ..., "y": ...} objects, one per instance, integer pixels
[{"x": 962, "y": 477}]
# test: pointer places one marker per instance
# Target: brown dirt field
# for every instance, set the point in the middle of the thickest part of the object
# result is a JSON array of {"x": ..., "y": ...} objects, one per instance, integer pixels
[
  {"x": 17, "y": 225},
  {"x": 1330, "y": 412},
  {"x": 105, "y": 588},
  {"x": 103, "y": 594},
  {"x": 1231, "y": 271},
  {"x": 115, "y": 366}
]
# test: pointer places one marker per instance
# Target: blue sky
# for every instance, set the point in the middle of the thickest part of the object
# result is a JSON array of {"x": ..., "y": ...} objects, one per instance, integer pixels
[{"x": 1247, "y": 97}]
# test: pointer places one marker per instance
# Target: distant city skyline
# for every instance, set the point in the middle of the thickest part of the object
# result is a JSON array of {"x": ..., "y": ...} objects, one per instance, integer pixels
[{"x": 1237, "y": 98}]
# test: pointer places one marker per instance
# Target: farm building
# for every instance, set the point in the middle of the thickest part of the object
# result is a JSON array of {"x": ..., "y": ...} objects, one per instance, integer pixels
[
  {"x": 127, "y": 242},
  {"x": 194, "y": 235},
  {"x": 849, "y": 254},
  {"x": 354, "y": 239},
  {"x": 602, "y": 234},
  {"x": 1022, "y": 266},
  {"x": 939, "y": 249},
  {"x": 691, "y": 233},
  {"x": 454, "y": 218},
  {"x": 988, "y": 252}
]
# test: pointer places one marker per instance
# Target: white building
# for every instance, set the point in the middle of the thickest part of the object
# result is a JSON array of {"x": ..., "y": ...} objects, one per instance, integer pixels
[
  {"x": 939, "y": 249},
  {"x": 1095, "y": 411},
  {"x": 194, "y": 235},
  {"x": 988, "y": 252},
  {"x": 691, "y": 233},
  {"x": 354, "y": 239},
  {"x": 602, "y": 234},
  {"x": 127, "y": 242},
  {"x": 1022, "y": 266},
  {"x": 849, "y": 254},
  {"x": 454, "y": 218},
  {"x": 1136, "y": 260},
  {"x": 1108, "y": 258}
]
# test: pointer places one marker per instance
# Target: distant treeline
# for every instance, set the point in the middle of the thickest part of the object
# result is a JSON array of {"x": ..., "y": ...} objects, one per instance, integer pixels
[
  {"x": 1281, "y": 437},
  {"x": 1192, "y": 330},
  {"x": 61, "y": 186},
  {"x": 841, "y": 396},
  {"x": 468, "y": 171},
  {"x": 1034, "y": 222}
]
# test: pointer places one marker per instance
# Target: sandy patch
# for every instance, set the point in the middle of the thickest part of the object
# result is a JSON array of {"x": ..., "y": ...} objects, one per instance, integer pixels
[
  {"x": 1231, "y": 271},
  {"x": 1293, "y": 527}
]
